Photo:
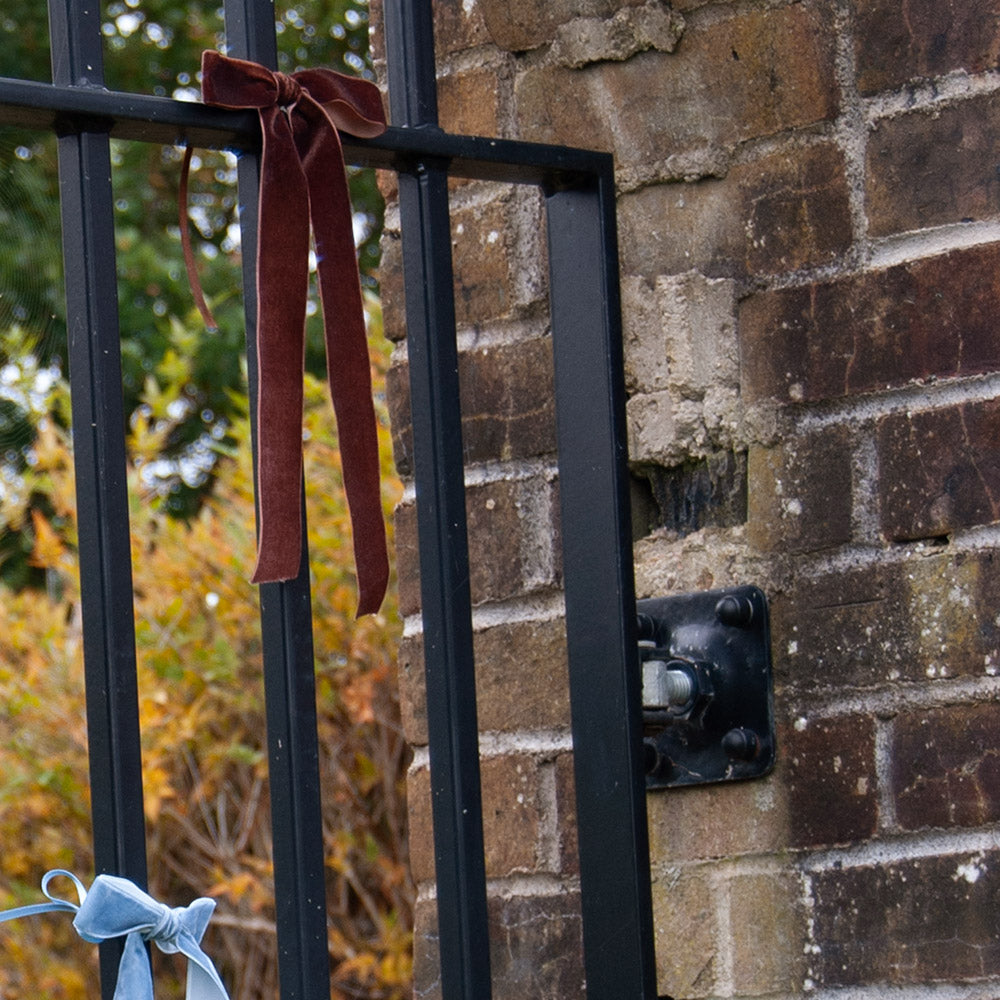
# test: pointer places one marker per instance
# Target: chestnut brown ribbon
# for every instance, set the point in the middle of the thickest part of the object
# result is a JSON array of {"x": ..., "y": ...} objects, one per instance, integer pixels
[{"x": 302, "y": 178}]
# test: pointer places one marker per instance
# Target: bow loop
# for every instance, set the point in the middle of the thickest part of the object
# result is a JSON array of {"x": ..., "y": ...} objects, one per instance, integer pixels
[
  {"x": 303, "y": 181},
  {"x": 115, "y": 907}
]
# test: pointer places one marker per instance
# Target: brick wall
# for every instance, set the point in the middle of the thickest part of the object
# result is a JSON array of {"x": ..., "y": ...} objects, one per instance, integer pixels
[{"x": 809, "y": 214}]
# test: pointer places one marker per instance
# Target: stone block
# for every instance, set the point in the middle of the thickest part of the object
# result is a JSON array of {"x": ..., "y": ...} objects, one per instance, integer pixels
[
  {"x": 933, "y": 167},
  {"x": 895, "y": 45},
  {"x": 939, "y": 470},
  {"x": 916, "y": 921},
  {"x": 882, "y": 329},
  {"x": 945, "y": 767},
  {"x": 800, "y": 492}
]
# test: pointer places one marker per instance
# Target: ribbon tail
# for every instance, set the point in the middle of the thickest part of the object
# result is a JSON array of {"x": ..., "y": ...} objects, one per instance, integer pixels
[
  {"x": 282, "y": 286},
  {"x": 203, "y": 982},
  {"x": 348, "y": 365},
  {"x": 135, "y": 976}
]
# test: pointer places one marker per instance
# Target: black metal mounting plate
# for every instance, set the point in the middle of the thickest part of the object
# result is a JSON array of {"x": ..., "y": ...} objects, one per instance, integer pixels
[{"x": 724, "y": 731}]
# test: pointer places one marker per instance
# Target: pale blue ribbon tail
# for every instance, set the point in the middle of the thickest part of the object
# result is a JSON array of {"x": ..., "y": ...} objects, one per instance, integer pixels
[{"x": 115, "y": 908}]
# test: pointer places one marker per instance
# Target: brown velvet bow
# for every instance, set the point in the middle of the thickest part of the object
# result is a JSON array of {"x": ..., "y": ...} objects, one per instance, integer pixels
[{"x": 302, "y": 177}]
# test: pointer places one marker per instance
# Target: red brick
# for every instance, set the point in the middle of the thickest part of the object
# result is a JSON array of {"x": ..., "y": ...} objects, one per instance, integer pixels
[
  {"x": 830, "y": 774},
  {"x": 939, "y": 470},
  {"x": 945, "y": 769},
  {"x": 468, "y": 102},
  {"x": 569, "y": 846},
  {"x": 931, "y": 317},
  {"x": 514, "y": 542},
  {"x": 521, "y": 679},
  {"x": 512, "y": 810},
  {"x": 536, "y": 948},
  {"x": 508, "y": 404},
  {"x": 769, "y": 928},
  {"x": 929, "y": 617},
  {"x": 748, "y": 76},
  {"x": 926, "y": 38},
  {"x": 800, "y": 492},
  {"x": 932, "y": 168},
  {"x": 912, "y": 921},
  {"x": 519, "y": 25}
]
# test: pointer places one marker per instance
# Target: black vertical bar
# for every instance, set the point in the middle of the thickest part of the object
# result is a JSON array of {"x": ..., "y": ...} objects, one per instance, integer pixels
[
  {"x": 600, "y": 594},
  {"x": 453, "y": 730},
  {"x": 99, "y": 457},
  {"x": 286, "y": 637},
  {"x": 409, "y": 40}
]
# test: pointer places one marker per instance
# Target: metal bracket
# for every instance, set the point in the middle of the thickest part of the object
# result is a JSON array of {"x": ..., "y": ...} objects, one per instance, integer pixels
[{"x": 707, "y": 689}]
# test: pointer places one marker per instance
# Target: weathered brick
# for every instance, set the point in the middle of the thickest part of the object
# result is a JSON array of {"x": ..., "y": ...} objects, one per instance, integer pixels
[
  {"x": 684, "y": 911},
  {"x": 933, "y": 919},
  {"x": 945, "y": 767},
  {"x": 468, "y": 102},
  {"x": 795, "y": 209},
  {"x": 800, "y": 492},
  {"x": 680, "y": 334},
  {"x": 784, "y": 211},
  {"x": 569, "y": 847},
  {"x": 933, "y": 167},
  {"x": 769, "y": 929},
  {"x": 508, "y": 404},
  {"x": 514, "y": 542},
  {"x": 719, "y": 821},
  {"x": 700, "y": 493},
  {"x": 930, "y": 317},
  {"x": 747, "y": 76},
  {"x": 671, "y": 228},
  {"x": 521, "y": 679},
  {"x": 391, "y": 292},
  {"x": 932, "y": 616},
  {"x": 512, "y": 808},
  {"x": 830, "y": 775},
  {"x": 927, "y": 38},
  {"x": 458, "y": 26},
  {"x": 482, "y": 241},
  {"x": 536, "y": 948},
  {"x": 519, "y": 25},
  {"x": 939, "y": 470}
]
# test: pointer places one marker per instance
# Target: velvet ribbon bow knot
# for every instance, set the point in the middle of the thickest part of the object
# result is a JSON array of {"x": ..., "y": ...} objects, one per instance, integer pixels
[
  {"x": 115, "y": 907},
  {"x": 302, "y": 179}
]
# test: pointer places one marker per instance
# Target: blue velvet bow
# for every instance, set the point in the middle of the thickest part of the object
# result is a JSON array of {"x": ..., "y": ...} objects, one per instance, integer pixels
[{"x": 116, "y": 907}]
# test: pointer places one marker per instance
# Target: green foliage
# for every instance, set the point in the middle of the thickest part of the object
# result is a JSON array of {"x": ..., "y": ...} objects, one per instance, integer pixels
[
  {"x": 202, "y": 714},
  {"x": 198, "y": 641},
  {"x": 154, "y": 47}
]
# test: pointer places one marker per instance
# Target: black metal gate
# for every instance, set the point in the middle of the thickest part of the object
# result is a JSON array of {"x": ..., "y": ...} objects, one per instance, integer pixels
[{"x": 578, "y": 188}]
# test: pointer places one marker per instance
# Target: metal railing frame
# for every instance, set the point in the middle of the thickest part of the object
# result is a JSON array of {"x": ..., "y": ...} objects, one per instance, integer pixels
[{"x": 579, "y": 195}]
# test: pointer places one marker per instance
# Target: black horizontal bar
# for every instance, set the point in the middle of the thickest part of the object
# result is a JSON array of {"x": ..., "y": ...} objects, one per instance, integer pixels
[{"x": 44, "y": 106}]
